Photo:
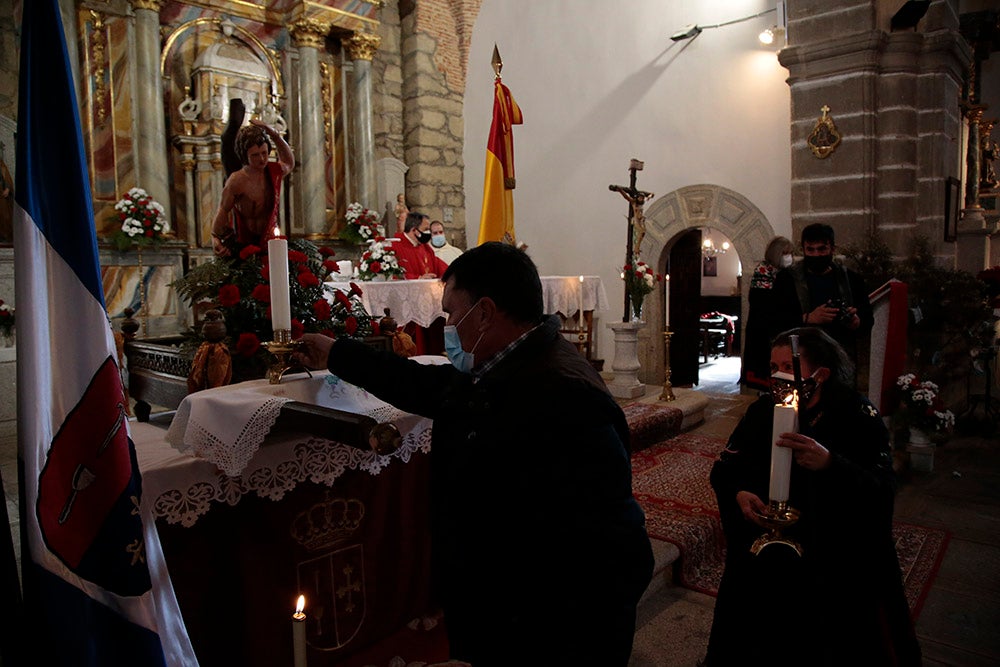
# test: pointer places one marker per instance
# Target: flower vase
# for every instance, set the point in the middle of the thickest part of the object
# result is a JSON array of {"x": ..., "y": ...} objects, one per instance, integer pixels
[
  {"x": 378, "y": 279},
  {"x": 637, "y": 309},
  {"x": 921, "y": 450}
]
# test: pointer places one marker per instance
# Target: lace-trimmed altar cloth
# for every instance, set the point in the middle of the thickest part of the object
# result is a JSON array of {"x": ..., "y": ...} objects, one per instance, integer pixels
[
  {"x": 419, "y": 301},
  {"x": 226, "y": 425}
]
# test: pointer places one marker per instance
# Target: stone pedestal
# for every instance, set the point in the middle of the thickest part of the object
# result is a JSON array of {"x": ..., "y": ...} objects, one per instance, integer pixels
[{"x": 626, "y": 362}]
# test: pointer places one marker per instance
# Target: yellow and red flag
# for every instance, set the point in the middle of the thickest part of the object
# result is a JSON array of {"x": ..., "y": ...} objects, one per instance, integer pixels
[{"x": 497, "y": 220}]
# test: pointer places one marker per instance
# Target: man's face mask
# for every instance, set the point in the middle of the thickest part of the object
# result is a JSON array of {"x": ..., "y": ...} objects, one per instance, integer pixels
[
  {"x": 423, "y": 237},
  {"x": 783, "y": 384},
  {"x": 438, "y": 241},
  {"x": 460, "y": 359},
  {"x": 817, "y": 263}
]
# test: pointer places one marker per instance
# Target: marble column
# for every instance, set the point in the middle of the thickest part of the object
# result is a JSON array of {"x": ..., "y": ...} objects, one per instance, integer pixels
[
  {"x": 626, "y": 362},
  {"x": 150, "y": 124},
  {"x": 309, "y": 36},
  {"x": 361, "y": 48}
]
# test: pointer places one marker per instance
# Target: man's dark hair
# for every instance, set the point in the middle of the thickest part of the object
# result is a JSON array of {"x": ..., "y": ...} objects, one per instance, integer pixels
[
  {"x": 248, "y": 137},
  {"x": 817, "y": 233},
  {"x": 413, "y": 220},
  {"x": 503, "y": 273},
  {"x": 821, "y": 350}
]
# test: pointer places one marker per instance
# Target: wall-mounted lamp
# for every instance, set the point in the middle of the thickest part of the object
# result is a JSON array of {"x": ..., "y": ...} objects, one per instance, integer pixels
[
  {"x": 686, "y": 32},
  {"x": 768, "y": 36}
]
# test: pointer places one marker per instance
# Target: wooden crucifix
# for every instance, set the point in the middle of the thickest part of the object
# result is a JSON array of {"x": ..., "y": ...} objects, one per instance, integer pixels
[{"x": 636, "y": 220}]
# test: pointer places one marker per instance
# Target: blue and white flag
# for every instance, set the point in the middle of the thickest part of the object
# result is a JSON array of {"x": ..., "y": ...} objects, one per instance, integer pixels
[{"x": 96, "y": 590}]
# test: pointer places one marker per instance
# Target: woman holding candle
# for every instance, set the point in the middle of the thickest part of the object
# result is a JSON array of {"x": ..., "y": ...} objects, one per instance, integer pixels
[{"x": 842, "y": 600}]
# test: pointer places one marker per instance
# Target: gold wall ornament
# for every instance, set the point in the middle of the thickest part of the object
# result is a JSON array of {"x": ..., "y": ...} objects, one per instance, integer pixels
[
  {"x": 98, "y": 51},
  {"x": 824, "y": 138},
  {"x": 362, "y": 45},
  {"x": 151, "y": 5},
  {"x": 325, "y": 93},
  {"x": 309, "y": 32}
]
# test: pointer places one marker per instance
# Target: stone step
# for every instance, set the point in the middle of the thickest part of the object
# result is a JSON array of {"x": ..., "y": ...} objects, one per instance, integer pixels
[{"x": 665, "y": 554}]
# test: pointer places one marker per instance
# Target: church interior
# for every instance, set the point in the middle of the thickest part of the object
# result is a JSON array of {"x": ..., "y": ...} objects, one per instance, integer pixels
[{"x": 876, "y": 117}]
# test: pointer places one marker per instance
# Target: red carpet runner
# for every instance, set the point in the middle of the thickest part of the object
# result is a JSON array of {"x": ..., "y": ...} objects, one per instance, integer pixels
[{"x": 670, "y": 481}]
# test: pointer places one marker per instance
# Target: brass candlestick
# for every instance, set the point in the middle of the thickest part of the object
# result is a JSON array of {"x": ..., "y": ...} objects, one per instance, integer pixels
[
  {"x": 776, "y": 518},
  {"x": 282, "y": 347},
  {"x": 668, "y": 391}
]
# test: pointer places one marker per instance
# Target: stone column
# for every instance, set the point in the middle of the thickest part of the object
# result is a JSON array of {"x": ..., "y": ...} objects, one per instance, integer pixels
[
  {"x": 361, "y": 48},
  {"x": 626, "y": 362},
  {"x": 309, "y": 36},
  {"x": 150, "y": 124}
]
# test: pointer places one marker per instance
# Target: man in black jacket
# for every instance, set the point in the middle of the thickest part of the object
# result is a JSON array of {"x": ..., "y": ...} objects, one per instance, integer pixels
[
  {"x": 821, "y": 293},
  {"x": 540, "y": 550}
]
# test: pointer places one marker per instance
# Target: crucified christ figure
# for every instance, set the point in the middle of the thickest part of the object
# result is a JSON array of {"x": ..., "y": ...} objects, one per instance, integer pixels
[{"x": 637, "y": 199}]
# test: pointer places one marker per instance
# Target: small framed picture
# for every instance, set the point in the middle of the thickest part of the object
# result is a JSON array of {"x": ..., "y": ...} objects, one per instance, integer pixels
[
  {"x": 710, "y": 266},
  {"x": 952, "y": 205}
]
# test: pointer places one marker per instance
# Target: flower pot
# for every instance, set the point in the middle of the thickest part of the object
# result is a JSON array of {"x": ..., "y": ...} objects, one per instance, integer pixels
[{"x": 921, "y": 457}]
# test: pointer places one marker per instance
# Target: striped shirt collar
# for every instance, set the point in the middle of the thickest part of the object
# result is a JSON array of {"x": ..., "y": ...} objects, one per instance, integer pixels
[{"x": 478, "y": 373}]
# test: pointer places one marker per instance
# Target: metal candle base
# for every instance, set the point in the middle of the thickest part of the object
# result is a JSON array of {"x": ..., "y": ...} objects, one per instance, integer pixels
[
  {"x": 777, "y": 517},
  {"x": 282, "y": 347}
]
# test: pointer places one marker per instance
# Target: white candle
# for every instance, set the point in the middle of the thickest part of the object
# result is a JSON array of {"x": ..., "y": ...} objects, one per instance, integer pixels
[
  {"x": 277, "y": 259},
  {"x": 666, "y": 304},
  {"x": 581, "y": 303},
  {"x": 786, "y": 420},
  {"x": 299, "y": 633}
]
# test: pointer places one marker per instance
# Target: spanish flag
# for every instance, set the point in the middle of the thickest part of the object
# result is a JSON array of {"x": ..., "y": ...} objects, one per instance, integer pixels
[{"x": 497, "y": 220}]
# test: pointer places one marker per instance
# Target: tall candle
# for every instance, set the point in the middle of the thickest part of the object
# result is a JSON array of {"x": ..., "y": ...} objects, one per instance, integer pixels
[
  {"x": 277, "y": 259},
  {"x": 299, "y": 633},
  {"x": 581, "y": 303},
  {"x": 666, "y": 305},
  {"x": 786, "y": 420}
]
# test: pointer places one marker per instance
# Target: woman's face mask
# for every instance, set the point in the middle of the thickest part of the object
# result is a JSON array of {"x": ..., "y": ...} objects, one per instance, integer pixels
[
  {"x": 783, "y": 384},
  {"x": 786, "y": 261},
  {"x": 460, "y": 359}
]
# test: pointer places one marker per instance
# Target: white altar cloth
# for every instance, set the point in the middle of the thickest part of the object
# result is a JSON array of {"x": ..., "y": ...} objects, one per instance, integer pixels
[{"x": 419, "y": 301}]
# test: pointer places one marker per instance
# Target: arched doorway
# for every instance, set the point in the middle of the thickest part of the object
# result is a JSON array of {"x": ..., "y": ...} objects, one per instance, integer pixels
[{"x": 667, "y": 221}]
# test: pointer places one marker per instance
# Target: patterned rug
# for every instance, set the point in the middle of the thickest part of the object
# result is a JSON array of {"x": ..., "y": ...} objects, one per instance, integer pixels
[
  {"x": 670, "y": 481},
  {"x": 650, "y": 423}
]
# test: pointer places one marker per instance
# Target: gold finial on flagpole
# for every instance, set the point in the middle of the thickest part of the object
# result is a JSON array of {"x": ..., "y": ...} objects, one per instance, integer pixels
[{"x": 497, "y": 62}]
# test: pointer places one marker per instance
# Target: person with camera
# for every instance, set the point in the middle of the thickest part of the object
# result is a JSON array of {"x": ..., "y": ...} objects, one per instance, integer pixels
[{"x": 817, "y": 291}]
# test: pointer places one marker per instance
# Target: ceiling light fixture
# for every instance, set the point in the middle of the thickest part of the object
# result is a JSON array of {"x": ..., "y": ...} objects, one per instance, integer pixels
[
  {"x": 686, "y": 32},
  {"x": 692, "y": 30}
]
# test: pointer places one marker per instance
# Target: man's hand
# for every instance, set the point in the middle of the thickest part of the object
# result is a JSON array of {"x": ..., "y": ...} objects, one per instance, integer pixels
[
  {"x": 853, "y": 322},
  {"x": 313, "y": 351},
  {"x": 751, "y": 506},
  {"x": 822, "y": 315},
  {"x": 807, "y": 452}
]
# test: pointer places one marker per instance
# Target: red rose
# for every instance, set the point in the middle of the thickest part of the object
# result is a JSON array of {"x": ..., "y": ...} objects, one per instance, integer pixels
[
  {"x": 355, "y": 289},
  {"x": 331, "y": 266},
  {"x": 343, "y": 300},
  {"x": 307, "y": 279},
  {"x": 297, "y": 329},
  {"x": 296, "y": 257},
  {"x": 249, "y": 251},
  {"x": 149, "y": 232},
  {"x": 375, "y": 267},
  {"x": 326, "y": 251},
  {"x": 328, "y": 333},
  {"x": 351, "y": 324},
  {"x": 628, "y": 267},
  {"x": 229, "y": 295},
  {"x": 248, "y": 344},
  {"x": 376, "y": 327},
  {"x": 262, "y": 293},
  {"x": 321, "y": 309}
]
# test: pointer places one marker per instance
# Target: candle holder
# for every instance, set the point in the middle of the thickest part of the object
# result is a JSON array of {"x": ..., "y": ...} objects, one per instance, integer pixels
[
  {"x": 668, "y": 391},
  {"x": 776, "y": 518},
  {"x": 282, "y": 347}
]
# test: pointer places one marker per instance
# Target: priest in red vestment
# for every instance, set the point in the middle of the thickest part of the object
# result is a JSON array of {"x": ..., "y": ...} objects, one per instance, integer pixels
[{"x": 413, "y": 251}]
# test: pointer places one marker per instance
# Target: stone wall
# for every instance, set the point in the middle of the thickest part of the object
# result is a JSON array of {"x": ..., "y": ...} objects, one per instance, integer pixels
[{"x": 894, "y": 97}]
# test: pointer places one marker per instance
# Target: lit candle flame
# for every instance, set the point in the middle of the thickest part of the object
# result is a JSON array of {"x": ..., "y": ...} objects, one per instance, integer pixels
[
  {"x": 277, "y": 231},
  {"x": 300, "y": 606},
  {"x": 581, "y": 279},
  {"x": 792, "y": 399}
]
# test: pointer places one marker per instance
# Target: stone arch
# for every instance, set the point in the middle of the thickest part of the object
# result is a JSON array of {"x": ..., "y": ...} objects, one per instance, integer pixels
[{"x": 693, "y": 206}]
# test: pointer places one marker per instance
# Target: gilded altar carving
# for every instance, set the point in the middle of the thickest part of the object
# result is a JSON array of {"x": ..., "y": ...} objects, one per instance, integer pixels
[
  {"x": 362, "y": 45},
  {"x": 309, "y": 33},
  {"x": 824, "y": 138},
  {"x": 98, "y": 65},
  {"x": 151, "y": 5}
]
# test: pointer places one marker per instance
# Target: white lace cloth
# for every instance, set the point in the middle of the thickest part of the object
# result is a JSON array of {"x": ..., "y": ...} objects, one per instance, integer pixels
[
  {"x": 226, "y": 426},
  {"x": 408, "y": 300},
  {"x": 420, "y": 300}
]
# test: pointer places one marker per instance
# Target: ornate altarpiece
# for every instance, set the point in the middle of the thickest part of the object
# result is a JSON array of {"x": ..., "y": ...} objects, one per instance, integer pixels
[{"x": 156, "y": 79}]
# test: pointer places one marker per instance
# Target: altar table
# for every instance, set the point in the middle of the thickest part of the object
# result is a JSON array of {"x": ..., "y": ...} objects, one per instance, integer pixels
[{"x": 350, "y": 531}]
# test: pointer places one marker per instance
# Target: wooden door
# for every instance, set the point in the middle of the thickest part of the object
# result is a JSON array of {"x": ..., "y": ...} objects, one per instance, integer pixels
[{"x": 685, "y": 300}]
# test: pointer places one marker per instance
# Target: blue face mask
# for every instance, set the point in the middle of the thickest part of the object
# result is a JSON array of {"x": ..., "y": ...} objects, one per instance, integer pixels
[
  {"x": 460, "y": 359},
  {"x": 438, "y": 241}
]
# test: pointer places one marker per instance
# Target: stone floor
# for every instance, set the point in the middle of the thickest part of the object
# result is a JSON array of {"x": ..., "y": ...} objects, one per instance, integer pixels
[{"x": 958, "y": 625}]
